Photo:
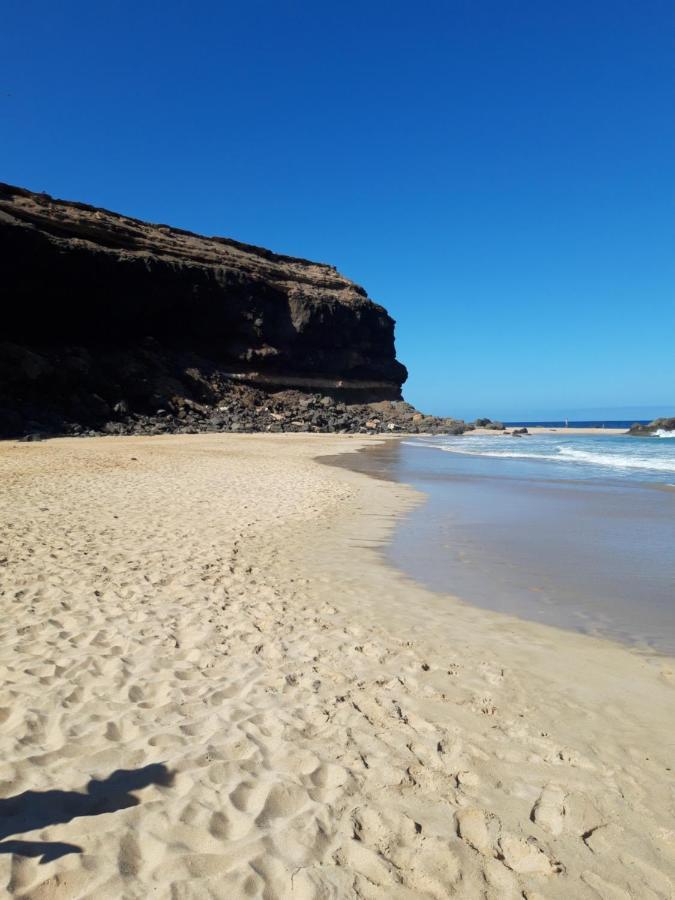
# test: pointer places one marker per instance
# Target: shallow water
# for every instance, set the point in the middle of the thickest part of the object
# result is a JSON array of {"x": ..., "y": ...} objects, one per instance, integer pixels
[
  {"x": 573, "y": 531},
  {"x": 589, "y": 457}
]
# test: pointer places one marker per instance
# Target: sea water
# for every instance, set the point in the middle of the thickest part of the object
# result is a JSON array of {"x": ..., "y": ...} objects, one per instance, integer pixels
[
  {"x": 575, "y": 531},
  {"x": 589, "y": 457}
]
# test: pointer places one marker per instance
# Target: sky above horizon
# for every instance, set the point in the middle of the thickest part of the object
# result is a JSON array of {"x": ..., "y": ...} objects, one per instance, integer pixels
[{"x": 499, "y": 175}]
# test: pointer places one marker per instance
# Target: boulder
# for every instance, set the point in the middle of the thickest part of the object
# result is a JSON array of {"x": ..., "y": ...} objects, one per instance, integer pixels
[{"x": 661, "y": 424}]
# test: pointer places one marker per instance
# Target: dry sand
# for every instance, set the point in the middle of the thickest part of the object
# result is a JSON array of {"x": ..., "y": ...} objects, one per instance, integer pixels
[{"x": 212, "y": 686}]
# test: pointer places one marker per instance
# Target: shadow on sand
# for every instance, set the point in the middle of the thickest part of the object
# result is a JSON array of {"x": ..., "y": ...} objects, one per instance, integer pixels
[{"x": 39, "y": 809}]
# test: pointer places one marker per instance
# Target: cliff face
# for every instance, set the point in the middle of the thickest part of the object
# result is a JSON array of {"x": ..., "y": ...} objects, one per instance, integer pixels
[{"x": 101, "y": 309}]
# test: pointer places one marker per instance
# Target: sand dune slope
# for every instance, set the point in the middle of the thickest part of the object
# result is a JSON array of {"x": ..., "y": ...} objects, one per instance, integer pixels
[{"x": 210, "y": 686}]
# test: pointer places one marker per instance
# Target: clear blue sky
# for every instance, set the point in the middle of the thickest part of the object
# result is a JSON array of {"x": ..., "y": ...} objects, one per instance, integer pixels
[{"x": 499, "y": 174}]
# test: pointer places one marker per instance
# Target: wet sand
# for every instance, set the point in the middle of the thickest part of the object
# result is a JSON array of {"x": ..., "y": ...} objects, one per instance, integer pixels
[
  {"x": 589, "y": 555},
  {"x": 212, "y": 686}
]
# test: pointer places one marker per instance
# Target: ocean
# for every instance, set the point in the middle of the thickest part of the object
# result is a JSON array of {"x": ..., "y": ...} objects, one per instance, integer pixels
[
  {"x": 575, "y": 531},
  {"x": 624, "y": 424},
  {"x": 589, "y": 457}
]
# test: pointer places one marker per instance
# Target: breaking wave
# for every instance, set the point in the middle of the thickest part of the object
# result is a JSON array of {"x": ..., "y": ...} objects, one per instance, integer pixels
[{"x": 626, "y": 458}]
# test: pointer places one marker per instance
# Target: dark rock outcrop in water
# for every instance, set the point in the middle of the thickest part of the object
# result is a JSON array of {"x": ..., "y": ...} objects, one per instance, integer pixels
[
  {"x": 115, "y": 325},
  {"x": 489, "y": 424},
  {"x": 663, "y": 424}
]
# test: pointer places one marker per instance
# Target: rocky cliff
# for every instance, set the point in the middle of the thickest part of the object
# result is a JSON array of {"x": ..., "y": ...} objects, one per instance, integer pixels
[{"x": 106, "y": 317}]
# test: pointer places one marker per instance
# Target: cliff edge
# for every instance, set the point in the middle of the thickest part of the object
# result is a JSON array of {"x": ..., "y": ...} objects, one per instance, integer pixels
[{"x": 105, "y": 313}]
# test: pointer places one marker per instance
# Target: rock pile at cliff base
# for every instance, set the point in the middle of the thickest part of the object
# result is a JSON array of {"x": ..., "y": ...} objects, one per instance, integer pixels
[{"x": 202, "y": 401}]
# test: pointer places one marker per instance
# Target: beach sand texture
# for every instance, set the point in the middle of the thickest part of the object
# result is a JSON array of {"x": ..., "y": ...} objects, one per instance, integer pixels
[{"x": 212, "y": 686}]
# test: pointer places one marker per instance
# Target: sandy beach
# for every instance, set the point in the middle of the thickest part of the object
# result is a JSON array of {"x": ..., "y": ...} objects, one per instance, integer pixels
[{"x": 211, "y": 685}]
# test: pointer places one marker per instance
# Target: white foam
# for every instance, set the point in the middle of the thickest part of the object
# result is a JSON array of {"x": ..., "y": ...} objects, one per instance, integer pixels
[
  {"x": 618, "y": 461},
  {"x": 561, "y": 454},
  {"x": 662, "y": 433}
]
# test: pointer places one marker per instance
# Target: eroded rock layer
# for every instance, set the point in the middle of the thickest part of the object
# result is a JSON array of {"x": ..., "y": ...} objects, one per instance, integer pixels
[{"x": 105, "y": 316}]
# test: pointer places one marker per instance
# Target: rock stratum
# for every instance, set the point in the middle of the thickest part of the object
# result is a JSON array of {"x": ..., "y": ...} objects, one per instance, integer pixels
[{"x": 118, "y": 325}]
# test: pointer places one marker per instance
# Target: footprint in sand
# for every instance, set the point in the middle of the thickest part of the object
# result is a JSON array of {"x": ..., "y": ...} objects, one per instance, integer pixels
[
  {"x": 328, "y": 775},
  {"x": 525, "y": 857},
  {"x": 502, "y": 882},
  {"x": 549, "y": 810},
  {"x": 283, "y": 800},
  {"x": 379, "y": 829},
  {"x": 230, "y": 826},
  {"x": 472, "y": 827},
  {"x": 248, "y": 797},
  {"x": 368, "y": 865},
  {"x": 423, "y": 865}
]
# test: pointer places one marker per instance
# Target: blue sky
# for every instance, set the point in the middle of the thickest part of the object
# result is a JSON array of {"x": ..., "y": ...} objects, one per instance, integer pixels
[{"x": 498, "y": 174}]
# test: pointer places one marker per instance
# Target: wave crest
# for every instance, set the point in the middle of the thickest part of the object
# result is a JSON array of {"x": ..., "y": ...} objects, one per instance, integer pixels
[{"x": 564, "y": 453}]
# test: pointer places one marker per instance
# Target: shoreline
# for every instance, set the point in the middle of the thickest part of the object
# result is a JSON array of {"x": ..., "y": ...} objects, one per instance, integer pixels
[
  {"x": 442, "y": 549},
  {"x": 331, "y": 728},
  {"x": 545, "y": 429}
]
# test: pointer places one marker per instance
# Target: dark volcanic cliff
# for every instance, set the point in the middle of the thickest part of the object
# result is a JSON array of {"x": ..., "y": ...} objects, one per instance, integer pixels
[{"x": 102, "y": 312}]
